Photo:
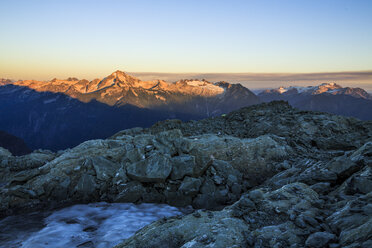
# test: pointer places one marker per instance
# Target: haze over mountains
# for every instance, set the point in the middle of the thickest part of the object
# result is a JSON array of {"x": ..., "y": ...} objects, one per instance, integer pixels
[{"x": 58, "y": 114}]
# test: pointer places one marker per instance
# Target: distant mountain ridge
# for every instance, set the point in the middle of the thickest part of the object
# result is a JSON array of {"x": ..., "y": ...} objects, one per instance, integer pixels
[
  {"x": 326, "y": 97},
  {"x": 56, "y": 121},
  {"x": 5, "y": 81},
  {"x": 118, "y": 89},
  {"x": 329, "y": 88},
  {"x": 59, "y": 114}
]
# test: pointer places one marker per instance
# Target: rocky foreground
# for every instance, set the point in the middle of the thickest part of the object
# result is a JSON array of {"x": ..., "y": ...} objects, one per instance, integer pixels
[{"x": 264, "y": 176}]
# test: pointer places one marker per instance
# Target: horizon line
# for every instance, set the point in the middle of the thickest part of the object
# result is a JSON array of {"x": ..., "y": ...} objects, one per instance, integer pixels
[{"x": 256, "y": 76}]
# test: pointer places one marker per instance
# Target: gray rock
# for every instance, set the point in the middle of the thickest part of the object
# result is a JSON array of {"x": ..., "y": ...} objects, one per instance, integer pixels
[
  {"x": 120, "y": 177},
  {"x": 22, "y": 192},
  {"x": 208, "y": 187},
  {"x": 176, "y": 198},
  {"x": 131, "y": 132},
  {"x": 205, "y": 201},
  {"x": 5, "y": 153},
  {"x": 171, "y": 139},
  {"x": 320, "y": 239},
  {"x": 360, "y": 182},
  {"x": 25, "y": 175},
  {"x": 135, "y": 155},
  {"x": 86, "y": 186},
  {"x": 190, "y": 186},
  {"x": 183, "y": 165},
  {"x": 343, "y": 166},
  {"x": 151, "y": 195},
  {"x": 226, "y": 172},
  {"x": 236, "y": 189},
  {"x": 218, "y": 231},
  {"x": 61, "y": 190},
  {"x": 104, "y": 168},
  {"x": 202, "y": 159},
  {"x": 130, "y": 192},
  {"x": 322, "y": 187},
  {"x": 364, "y": 151},
  {"x": 155, "y": 168}
]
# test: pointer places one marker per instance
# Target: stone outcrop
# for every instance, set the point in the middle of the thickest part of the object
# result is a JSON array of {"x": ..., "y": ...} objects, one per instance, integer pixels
[
  {"x": 264, "y": 176},
  {"x": 205, "y": 171}
]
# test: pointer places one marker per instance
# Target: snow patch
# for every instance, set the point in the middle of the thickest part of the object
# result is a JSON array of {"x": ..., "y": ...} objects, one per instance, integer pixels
[
  {"x": 205, "y": 85},
  {"x": 98, "y": 224},
  {"x": 190, "y": 244},
  {"x": 325, "y": 87},
  {"x": 281, "y": 90}
]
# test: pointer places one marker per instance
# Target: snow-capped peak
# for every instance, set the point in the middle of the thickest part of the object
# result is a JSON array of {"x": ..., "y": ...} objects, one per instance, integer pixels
[
  {"x": 281, "y": 89},
  {"x": 205, "y": 85},
  {"x": 329, "y": 88},
  {"x": 296, "y": 89},
  {"x": 324, "y": 87}
]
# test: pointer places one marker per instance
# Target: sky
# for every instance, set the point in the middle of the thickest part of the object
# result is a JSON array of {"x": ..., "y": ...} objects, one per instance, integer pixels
[{"x": 91, "y": 39}]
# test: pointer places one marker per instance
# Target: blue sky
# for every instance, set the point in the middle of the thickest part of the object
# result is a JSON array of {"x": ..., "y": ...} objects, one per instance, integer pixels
[{"x": 45, "y": 39}]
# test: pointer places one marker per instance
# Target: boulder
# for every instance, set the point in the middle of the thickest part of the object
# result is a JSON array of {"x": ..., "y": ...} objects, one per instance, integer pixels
[
  {"x": 86, "y": 186},
  {"x": 190, "y": 186},
  {"x": 130, "y": 192},
  {"x": 343, "y": 166},
  {"x": 183, "y": 165},
  {"x": 104, "y": 168},
  {"x": 363, "y": 151},
  {"x": 320, "y": 239},
  {"x": 25, "y": 175},
  {"x": 205, "y": 229},
  {"x": 362, "y": 233},
  {"x": 155, "y": 168},
  {"x": 4, "y": 152}
]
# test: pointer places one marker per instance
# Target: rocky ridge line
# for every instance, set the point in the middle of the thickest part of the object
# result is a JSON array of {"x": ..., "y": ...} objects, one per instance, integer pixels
[{"x": 263, "y": 176}]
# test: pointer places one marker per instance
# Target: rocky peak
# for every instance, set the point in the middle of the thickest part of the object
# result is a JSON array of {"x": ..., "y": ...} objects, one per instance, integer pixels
[
  {"x": 123, "y": 77},
  {"x": 117, "y": 78},
  {"x": 119, "y": 88},
  {"x": 5, "y": 81},
  {"x": 72, "y": 79},
  {"x": 326, "y": 87},
  {"x": 331, "y": 88}
]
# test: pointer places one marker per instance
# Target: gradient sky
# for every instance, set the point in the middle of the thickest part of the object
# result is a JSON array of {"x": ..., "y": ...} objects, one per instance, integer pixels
[{"x": 88, "y": 39}]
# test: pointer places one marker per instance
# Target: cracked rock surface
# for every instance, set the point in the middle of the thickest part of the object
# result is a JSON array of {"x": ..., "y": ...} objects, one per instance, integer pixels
[{"x": 264, "y": 176}]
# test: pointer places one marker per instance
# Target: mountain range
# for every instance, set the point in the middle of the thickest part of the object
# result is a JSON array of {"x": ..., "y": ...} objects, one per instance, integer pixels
[
  {"x": 327, "y": 97},
  {"x": 198, "y": 97},
  {"x": 325, "y": 88},
  {"x": 59, "y": 114}
]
